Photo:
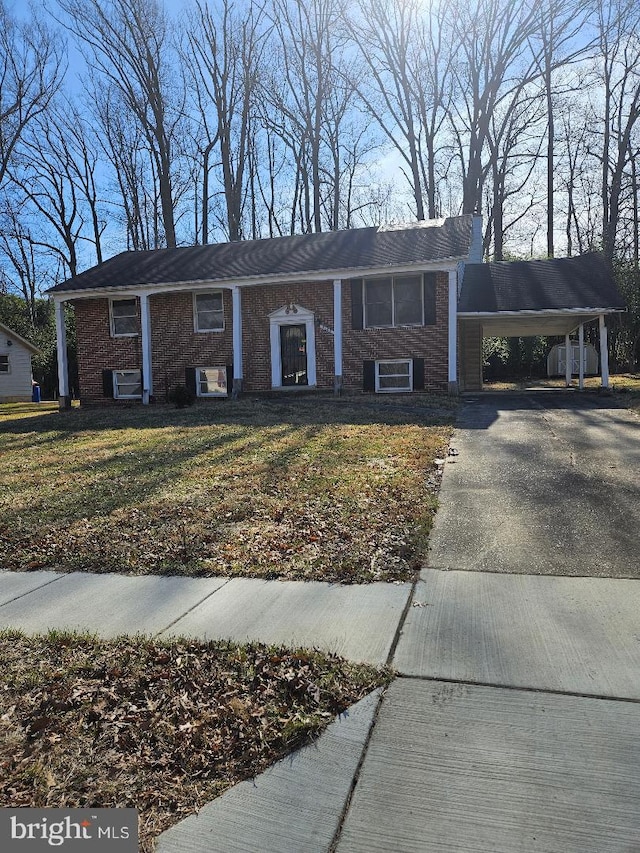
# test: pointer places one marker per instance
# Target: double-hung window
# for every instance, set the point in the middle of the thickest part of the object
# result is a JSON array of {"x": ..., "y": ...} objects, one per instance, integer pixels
[
  {"x": 127, "y": 384},
  {"x": 208, "y": 311},
  {"x": 393, "y": 301},
  {"x": 5, "y": 367},
  {"x": 124, "y": 317}
]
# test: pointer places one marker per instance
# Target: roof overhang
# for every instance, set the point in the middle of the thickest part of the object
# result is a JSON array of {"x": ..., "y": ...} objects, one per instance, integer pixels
[
  {"x": 440, "y": 265},
  {"x": 523, "y": 324}
]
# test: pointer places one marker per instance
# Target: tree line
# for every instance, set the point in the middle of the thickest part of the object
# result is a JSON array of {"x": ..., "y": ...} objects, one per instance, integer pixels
[{"x": 127, "y": 125}]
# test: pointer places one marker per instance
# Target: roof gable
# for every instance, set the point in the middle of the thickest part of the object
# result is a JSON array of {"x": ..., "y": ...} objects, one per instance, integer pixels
[
  {"x": 5, "y": 330},
  {"x": 582, "y": 282},
  {"x": 358, "y": 250}
]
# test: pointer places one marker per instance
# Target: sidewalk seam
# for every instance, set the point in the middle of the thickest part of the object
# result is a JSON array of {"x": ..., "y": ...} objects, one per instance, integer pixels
[
  {"x": 35, "y": 589},
  {"x": 543, "y": 690},
  {"x": 192, "y": 608},
  {"x": 356, "y": 776}
]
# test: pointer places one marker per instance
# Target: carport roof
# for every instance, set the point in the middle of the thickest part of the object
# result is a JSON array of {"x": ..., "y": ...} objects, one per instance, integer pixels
[{"x": 549, "y": 297}]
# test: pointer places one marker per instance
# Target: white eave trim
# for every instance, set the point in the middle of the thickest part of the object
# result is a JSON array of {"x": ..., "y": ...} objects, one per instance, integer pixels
[
  {"x": 547, "y": 312},
  {"x": 440, "y": 265}
]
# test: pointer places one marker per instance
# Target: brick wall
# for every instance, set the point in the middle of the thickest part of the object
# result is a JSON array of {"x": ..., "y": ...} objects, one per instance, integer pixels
[
  {"x": 258, "y": 302},
  {"x": 428, "y": 342},
  {"x": 98, "y": 351},
  {"x": 175, "y": 345}
]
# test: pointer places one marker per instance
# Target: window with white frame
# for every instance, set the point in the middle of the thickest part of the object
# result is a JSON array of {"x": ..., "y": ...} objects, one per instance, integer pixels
[
  {"x": 127, "y": 384},
  {"x": 124, "y": 317},
  {"x": 393, "y": 301},
  {"x": 211, "y": 381},
  {"x": 396, "y": 375},
  {"x": 208, "y": 311},
  {"x": 5, "y": 366}
]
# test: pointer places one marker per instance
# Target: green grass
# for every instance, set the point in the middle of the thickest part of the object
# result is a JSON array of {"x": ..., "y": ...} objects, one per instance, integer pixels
[
  {"x": 341, "y": 490},
  {"x": 161, "y": 726}
]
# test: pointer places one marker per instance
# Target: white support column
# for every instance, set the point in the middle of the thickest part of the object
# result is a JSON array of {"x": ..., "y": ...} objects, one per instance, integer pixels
[
  {"x": 237, "y": 341},
  {"x": 604, "y": 352},
  {"x": 581, "y": 356},
  {"x": 63, "y": 365},
  {"x": 337, "y": 335},
  {"x": 145, "y": 326},
  {"x": 453, "y": 332},
  {"x": 568, "y": 359}
]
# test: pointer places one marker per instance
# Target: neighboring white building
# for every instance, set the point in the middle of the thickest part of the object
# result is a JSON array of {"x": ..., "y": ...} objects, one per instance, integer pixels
[{"x": 15, "y": 367}]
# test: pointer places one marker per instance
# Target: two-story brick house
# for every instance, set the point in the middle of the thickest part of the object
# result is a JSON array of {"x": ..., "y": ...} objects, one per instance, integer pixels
[
  {"x": 386, "y": 309},
  {"x": 371, "y": 308}
]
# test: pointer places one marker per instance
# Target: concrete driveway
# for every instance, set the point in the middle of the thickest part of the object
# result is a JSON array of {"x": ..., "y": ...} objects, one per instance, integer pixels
[
  {"x": 543, "y": 483},
  {"x": 514, "y": 726}
]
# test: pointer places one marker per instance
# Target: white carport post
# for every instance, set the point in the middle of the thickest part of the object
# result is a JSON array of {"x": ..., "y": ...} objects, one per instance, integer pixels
[
  {"x": 453, "y": 332},
  {"x": 604, "y": 352},
  {"x": 64, "y": 399},
  {"x": 337, "y": 335},
  {"x": 145, "y": 326},
  {"x": 581, "y": 356},
  {"x": 237, "y": 341},
  {"x": 568, "y": 364}
]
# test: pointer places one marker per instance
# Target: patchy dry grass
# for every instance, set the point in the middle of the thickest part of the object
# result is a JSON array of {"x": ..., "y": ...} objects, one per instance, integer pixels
[
  {"x": 314, "y": 488},
  {"x": 163, "y": 727}
]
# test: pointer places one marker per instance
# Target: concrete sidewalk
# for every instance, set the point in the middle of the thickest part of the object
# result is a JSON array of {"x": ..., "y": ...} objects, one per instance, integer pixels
[{"x": 357, "y": 622}]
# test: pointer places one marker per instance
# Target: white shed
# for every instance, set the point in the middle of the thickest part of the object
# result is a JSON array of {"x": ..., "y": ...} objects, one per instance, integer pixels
[
  {"x": 557, "y": 359},
  {"x": 15, "y": 367}
]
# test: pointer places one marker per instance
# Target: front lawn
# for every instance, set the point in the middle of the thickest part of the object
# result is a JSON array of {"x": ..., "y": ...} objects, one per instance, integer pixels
[
  {"x": 163, "y": 727},
  {"x": 318, "y": 488}
]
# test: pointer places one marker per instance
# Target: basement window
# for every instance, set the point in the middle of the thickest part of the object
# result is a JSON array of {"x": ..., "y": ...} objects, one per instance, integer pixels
[
  {"x": 5, "y": 367},
  {"x": 393, "y": 376},
  {"x": 211, "y": 381},
  {"x": 124, "y": 317},
  {"x": 127, "y": 384}
]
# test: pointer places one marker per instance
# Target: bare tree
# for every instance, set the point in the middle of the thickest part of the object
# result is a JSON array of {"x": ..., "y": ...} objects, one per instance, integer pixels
[
  {"x": 31, "y": 70},
  {"x": 225, "y": 55},
  {"x": 561, "y": 41},
  {"x": 21, "y": 257},
  {"x": 127, "y": 43},
  {"x": 494, "y": 39},
  {"x": 406, "y": 86},
  {"x": 619, "y": 42},
  {"x": 305, "y": 101}
]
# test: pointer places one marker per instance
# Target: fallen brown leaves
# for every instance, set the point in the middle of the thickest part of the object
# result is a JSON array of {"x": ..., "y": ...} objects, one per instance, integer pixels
[
  {"x": 315, "y": 488},
  {"x": 161, "y": 727}
]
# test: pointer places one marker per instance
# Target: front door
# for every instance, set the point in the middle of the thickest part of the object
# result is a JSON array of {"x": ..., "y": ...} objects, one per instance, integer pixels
[{"x": 293, "y": 354}]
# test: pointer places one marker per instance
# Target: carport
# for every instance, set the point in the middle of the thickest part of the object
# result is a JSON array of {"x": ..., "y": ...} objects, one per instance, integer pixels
[{"x": 552, "y": 297}]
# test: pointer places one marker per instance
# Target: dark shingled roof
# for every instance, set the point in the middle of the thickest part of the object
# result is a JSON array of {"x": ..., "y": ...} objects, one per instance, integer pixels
[
  {"x": 357, "y": 249},
  {"x": 581, "y": 282}
]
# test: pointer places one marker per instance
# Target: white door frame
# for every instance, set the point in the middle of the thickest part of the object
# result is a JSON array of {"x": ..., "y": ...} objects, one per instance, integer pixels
[{"x": 292, "y": 315}]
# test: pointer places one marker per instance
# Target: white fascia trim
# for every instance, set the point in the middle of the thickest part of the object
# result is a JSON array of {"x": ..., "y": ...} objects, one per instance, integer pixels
[
  {"x": 442, "y": 265},
  {"x": 556, "y": 312}
]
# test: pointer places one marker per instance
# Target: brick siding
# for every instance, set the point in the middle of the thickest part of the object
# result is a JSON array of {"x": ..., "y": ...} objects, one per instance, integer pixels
[
  {"x": 428, "y": 342},
  {"x": 176, "y": 346}
]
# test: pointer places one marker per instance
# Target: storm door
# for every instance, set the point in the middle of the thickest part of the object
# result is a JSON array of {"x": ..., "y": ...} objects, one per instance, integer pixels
[{"x": 293, "y": 354}]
